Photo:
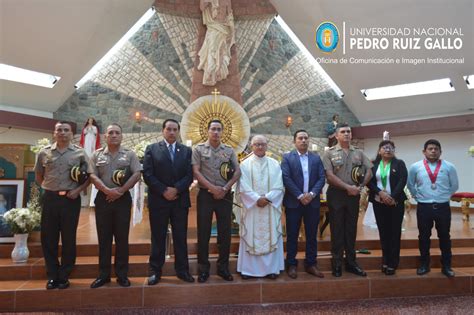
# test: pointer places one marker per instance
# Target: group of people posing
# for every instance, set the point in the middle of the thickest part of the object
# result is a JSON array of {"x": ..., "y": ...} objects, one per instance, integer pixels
[{"x": 262, "y": 188}]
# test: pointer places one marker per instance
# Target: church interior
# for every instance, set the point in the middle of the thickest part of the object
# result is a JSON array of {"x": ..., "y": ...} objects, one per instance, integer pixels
[{"x": 137, "y": 63}]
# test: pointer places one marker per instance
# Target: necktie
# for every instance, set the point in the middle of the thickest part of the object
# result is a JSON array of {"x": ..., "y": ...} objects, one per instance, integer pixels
[{"x": 170, "y": 148}]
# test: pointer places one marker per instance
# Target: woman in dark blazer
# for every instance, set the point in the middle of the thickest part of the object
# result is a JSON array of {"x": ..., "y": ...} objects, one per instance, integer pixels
[{"x": 388, "y": 198}]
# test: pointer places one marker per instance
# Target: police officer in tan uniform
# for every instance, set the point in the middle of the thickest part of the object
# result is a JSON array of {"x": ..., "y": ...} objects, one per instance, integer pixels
[
  {"x": 210, "y": 161},
  {"x": 61, "y": 202},
  {"x": 348, "y": 170},
  {"x": 114, "y": 170}
]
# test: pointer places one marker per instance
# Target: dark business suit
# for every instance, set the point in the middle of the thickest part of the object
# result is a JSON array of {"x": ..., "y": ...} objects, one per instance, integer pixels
[
  {"x": 389, "y": 218},
  {"x": 293, "y": 181},
  {"x": 159, "y": 172}
]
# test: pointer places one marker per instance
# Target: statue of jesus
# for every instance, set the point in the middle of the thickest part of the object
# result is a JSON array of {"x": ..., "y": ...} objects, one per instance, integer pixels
[{"x": 214, "y": 56}]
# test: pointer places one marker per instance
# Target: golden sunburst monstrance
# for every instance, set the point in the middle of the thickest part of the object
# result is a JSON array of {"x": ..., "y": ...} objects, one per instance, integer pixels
[{"x": 206, "y": 108}]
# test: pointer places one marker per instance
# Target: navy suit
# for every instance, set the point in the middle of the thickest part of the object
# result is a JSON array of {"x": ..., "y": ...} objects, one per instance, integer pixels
[
  {"x": 295, "y": 211},
  {"x": 159, "y": 172}
]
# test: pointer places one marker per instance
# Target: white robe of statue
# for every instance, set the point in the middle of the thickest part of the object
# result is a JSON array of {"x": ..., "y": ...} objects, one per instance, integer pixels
[
  {"x": 90, "y": 139},
  {"x": 214, "y": 55},
  {"x": 261, "y": 239}
]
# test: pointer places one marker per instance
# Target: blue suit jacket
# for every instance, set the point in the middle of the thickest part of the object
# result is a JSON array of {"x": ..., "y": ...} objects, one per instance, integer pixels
[
  {"x": 159, "y": 172},
  {"x": 293, "y": 178}
]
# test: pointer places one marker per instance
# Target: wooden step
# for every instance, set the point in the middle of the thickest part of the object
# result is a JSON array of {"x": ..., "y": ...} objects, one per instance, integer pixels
[
  {"x": 31, "y": 295},
  {"x": 87, "y": 266},
  {"x": 144, "y": 248}
]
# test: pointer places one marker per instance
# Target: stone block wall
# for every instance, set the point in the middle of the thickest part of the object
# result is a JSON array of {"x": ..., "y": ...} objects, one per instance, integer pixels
[{"x": 153, "y": 74}]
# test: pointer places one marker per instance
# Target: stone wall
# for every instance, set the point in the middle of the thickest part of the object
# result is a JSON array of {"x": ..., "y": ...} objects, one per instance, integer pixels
[{"x": 152, "y": 74}]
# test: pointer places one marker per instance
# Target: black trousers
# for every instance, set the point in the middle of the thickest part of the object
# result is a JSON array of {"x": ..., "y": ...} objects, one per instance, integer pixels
[
  {"x": 60, "y": 216},
  {"x": 113, "y": 222},
  {"x": 389, "y": 223},
  {"x": 159, "y": 220},
  {"x": 343, "y": 216},
  {"x": 310, "y": 217},
  {"x": 440, "y": 214},
  {"x": 206, "y": 206}
]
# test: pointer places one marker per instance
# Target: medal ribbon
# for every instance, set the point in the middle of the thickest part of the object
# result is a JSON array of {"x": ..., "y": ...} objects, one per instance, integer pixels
[
  {"x": 430, "y": 174},
  {"x": 383, "y": 173}
]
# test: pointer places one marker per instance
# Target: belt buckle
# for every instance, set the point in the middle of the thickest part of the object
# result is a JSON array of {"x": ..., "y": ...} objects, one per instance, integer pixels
[
  {"x": 62, "y": 193},
  {"x": 435, "y": 206}
]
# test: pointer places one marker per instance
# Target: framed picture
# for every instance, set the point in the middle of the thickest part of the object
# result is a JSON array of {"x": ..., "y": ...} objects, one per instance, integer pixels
[{"x": 11, "y": 196}]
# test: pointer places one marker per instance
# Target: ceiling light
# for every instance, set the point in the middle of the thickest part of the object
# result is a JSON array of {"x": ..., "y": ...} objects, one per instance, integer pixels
[
  {"x": 409, "y": 89},
  {"x": 12, "y": 73},
  {"x": 148, "y": 14},
  {"x": 469, "y": 81}
]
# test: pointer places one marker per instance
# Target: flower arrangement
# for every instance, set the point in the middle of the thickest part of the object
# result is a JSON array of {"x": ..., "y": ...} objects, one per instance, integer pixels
[
  {"x": 40, "y": 144},
  {"x": 139, "y": 149},
  {"x": 22, "y": 220}
]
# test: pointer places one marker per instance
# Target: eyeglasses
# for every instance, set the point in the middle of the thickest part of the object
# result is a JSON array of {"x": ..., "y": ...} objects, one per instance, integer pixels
[
  {"x": 259, "y": 145},
  {"x": 388, "y": 148}
]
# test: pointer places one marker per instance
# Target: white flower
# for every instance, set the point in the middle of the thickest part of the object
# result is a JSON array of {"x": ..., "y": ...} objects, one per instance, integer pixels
[
  {"x": 139, "y": 149},
  {"x": 40, "y": 144},
  {"x": 22, "y": 220}
]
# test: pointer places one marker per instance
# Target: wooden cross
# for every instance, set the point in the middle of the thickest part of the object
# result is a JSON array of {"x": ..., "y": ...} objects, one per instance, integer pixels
[{"x": 215, "y": 93}]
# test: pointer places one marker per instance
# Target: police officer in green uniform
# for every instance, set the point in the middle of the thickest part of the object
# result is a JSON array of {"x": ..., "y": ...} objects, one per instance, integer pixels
[
  {"x": 61, "y": 171},
  {"x": 348, "y": 170},
  {"x": 211, "y": 162},
  {"x": 113, "y": 170}
]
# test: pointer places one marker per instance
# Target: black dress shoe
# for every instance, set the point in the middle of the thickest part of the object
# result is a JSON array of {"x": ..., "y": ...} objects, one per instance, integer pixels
[
  {"x": 390, "y": 271},
  {"x": 186, "y": 277},
  {"x": 356, "y": 270},
  {"x": 422, "y": 270},
  {"x": 384, "y": 268},
  {"x": 292, "y": 272},
  {"x": 63, "y": 284},
  {"x": 272, "y": 276},
  {"x": 225, "y": 274},
  {"x": 51, "y": 284},
  {"x": 448, "y": 272},
  {"x": 154, "y": 279},
  {"x": 245, "y": 277},
  {"x": 337, "y": 271},
  {"x": 99, "y": 282},
  {"x": 123, "y": 282},
  {"x": 203, "y": 276}
]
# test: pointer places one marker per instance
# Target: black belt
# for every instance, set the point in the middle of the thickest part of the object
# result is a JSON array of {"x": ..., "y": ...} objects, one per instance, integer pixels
[
  {"x": 61, "y": 193},
  {"x": 434, "y": 205}
]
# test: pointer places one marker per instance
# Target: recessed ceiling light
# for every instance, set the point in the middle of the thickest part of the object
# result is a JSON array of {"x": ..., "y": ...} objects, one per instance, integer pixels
[
  {"x": 409, "y": 89},
  {"x": 469, "y": 81},
  {"x": 12, "y": 73}
]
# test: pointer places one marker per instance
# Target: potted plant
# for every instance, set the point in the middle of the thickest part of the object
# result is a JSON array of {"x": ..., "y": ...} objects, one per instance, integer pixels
[{"x": 22, "y": 221}]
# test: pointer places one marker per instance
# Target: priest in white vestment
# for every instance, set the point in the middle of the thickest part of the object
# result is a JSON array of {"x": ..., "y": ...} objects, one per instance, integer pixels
[{"x": 260, "y": 191}]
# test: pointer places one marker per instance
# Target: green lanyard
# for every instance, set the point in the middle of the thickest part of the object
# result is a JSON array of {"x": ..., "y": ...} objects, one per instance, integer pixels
[{"x": 383, "y": 173}]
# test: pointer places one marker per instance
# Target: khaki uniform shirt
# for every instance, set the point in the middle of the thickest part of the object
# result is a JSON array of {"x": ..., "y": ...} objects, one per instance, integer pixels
[
  {"x": 56, "y": 166},
  {"x": 341, "y": 164},
  {"x": 103, "y": 164},
  {"x": 210, "y": 159}
]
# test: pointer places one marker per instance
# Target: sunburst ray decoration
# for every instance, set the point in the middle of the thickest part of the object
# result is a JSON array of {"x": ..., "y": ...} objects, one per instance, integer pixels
[{"x": 206, "y": 108}]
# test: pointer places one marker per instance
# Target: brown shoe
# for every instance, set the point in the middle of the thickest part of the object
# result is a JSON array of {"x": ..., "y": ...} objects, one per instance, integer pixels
[
  {"x": 313, "y": 270},
  {"x": 292, "y": 273}
]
